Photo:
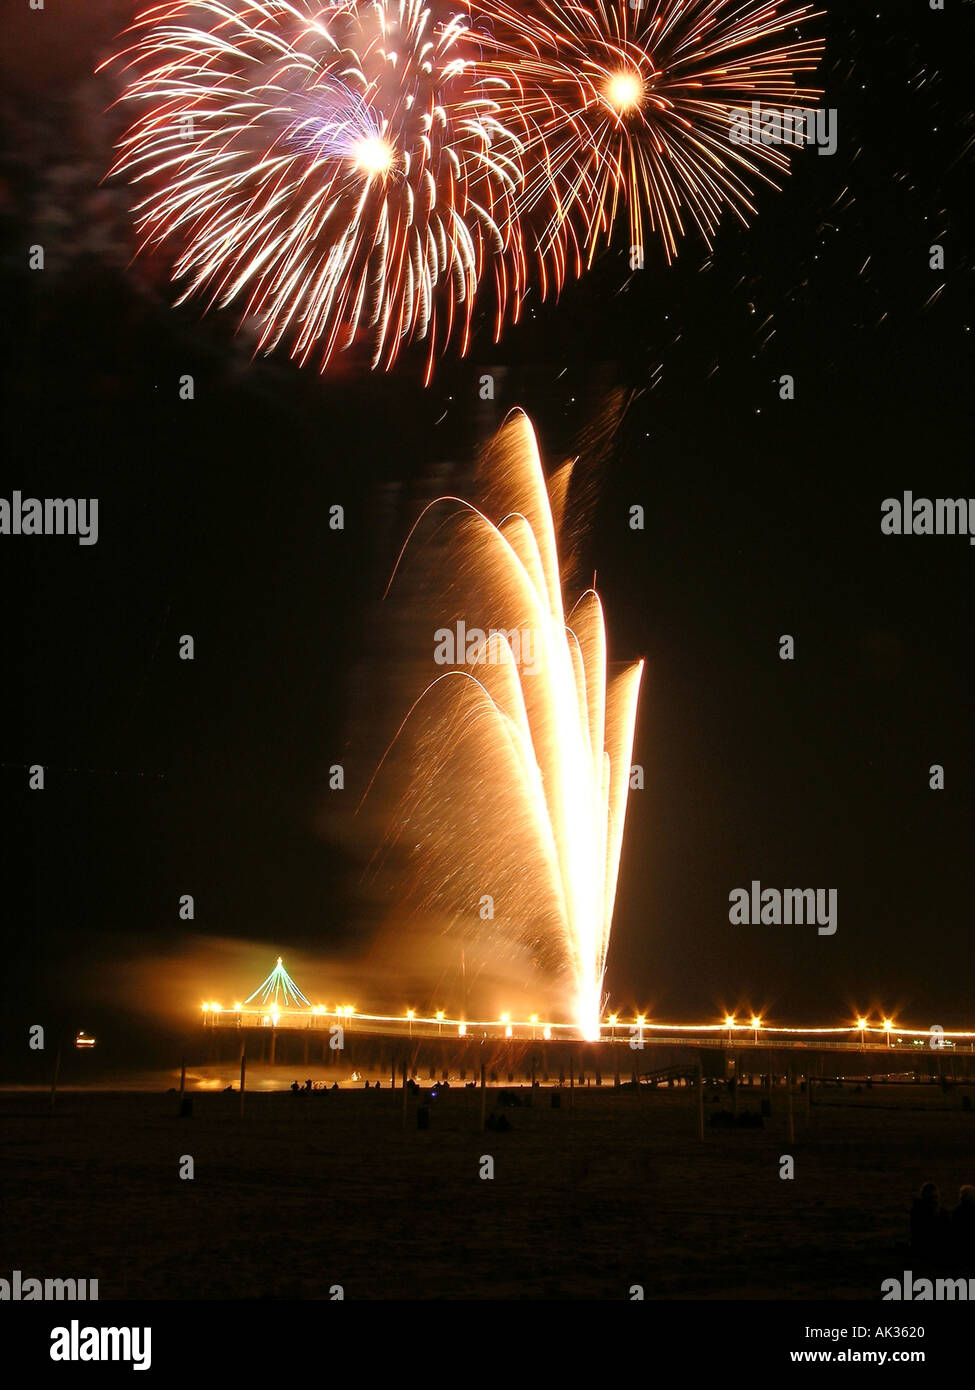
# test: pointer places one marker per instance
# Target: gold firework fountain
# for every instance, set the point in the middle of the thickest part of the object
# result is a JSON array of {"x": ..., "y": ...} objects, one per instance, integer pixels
[{"x": 515, "y": 803}]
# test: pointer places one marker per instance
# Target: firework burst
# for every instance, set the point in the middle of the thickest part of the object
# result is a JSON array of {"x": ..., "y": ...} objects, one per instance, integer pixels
[
  {"x": 518, "y": 758},
  {"x": 622, "y": 104},
  {"x": 350, "y": 173},
  {"x": 331, "y": 167}
]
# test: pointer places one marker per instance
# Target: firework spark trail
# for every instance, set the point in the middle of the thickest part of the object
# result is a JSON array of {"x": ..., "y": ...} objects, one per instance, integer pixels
[
  {"x": 520, "y": 786},
  {"x": 353, "y": 171},
  {"x": 615, "y": 105}
]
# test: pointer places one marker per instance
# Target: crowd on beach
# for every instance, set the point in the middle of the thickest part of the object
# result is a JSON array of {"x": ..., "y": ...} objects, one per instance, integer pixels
[{"x": 943, "y": 1239}]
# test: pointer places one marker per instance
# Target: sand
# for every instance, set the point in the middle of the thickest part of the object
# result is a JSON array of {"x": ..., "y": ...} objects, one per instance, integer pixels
[{"x": 311, "y": 1191}]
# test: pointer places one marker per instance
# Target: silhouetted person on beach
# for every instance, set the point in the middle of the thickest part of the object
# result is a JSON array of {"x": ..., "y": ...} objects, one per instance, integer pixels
[
  {"x": 295, "y": 1087},
  {"x": 929, "y": 1227},
  {"x": 963, "y": 1230}
]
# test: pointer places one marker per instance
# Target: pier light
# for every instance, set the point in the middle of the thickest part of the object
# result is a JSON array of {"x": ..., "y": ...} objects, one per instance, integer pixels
[
  {"x": 888, "y": 1027},
  {"x": 756, "y": 1024},
  {"x": 547, "y": 1033},
  {"x": 507, "y": 1030},
  {"x": 237, "y": 1007},
  {"x": 215, "y": 1008},
  {"x": 614, "y": 1019},
  {"x": 206, "y": 1008},
  {"x": 641, "y": 1020},
  {"x": 411, "y": 1014},
  {"x": 505, "y": 1018},
  {"x": 534, "y": 1024},
  {"x": 440, "y": 1018},
  {"x": 861, "y": 1024},
  {"x": 462, "y": 1030}
]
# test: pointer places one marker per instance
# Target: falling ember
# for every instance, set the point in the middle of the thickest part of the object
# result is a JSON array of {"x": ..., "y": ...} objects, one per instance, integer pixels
[{"x": 522, "y": 743}]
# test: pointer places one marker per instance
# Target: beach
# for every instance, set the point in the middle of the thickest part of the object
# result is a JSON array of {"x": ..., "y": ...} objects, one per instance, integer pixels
[{"x": 310, "y": 1193}]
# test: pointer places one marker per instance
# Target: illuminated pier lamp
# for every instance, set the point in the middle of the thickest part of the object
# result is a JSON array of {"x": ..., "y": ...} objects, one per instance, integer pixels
[
  {"x": 888, "y": 1029},
  {"x": 534, "y": 1024},
  {"x": 440, "y": 1018},
  {"x": 506, "y": 1020},
  {"x": 411, "y": 1014},
  {"x": 547, "y": 1033},
  {"x": 862, "y": 1025},
  {"x": 729, "y": 1023},
  {"x": 462, "y": 1030},
  {"x": 756, "y": 1024}
]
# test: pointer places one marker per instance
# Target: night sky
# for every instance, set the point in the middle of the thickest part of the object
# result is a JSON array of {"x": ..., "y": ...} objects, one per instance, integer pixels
[{"x": 763, "y": 518}]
